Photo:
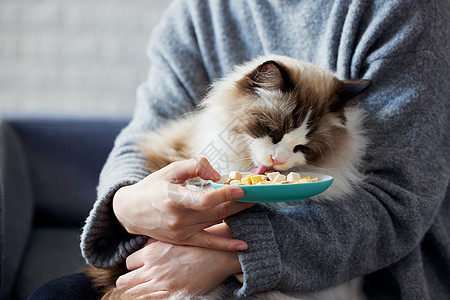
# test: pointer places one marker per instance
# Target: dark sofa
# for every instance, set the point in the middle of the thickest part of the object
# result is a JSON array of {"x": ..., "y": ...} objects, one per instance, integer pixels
[{"x": 49, "y": 169}]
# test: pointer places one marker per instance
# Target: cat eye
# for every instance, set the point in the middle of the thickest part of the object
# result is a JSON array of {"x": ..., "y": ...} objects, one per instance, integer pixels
[
  {"x": 301, "y": 148},
  {"x": 285, "y": 126},
  {"x": 275, "y": 134},
  {"x": 272, "y": 130}
]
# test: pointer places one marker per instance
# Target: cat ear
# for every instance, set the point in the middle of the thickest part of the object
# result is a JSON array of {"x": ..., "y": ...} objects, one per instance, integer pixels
[
  {"x": 347, "y": 90},
  {"x": 270, "y": 75}
]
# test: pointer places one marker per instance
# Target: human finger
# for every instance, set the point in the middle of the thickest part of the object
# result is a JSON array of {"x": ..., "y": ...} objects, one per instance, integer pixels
[
  {"x": 216, "y": 197},
  {"x": 224, "y": 210},
  {"x": 129, "y": 279},
  {"x": 208, "y": 240},
  {"x": 156, "y": 295},
  {"x": 221, "y": 229},
  {"x": 137, "y": 259},
  {"x": 203, "y": 201},
  {"x": 134, "y": 261},
  {"x": 206, "y": 218},
  {"x": 144, "y": 290},
  {"x": 179, "y": 172}
]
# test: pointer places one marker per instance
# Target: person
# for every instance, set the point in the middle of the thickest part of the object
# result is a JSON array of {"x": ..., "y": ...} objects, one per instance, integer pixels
[{"x": 393, "y": 230}]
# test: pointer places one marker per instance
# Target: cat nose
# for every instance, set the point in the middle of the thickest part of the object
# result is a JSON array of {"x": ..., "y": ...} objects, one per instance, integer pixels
[{"x": 276, "y": 162}]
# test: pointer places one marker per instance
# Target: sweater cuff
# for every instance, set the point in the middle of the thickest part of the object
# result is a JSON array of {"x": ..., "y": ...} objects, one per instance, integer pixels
[
  {"x": 104, "y": 242},
  {"x": 261, "y": 262}
]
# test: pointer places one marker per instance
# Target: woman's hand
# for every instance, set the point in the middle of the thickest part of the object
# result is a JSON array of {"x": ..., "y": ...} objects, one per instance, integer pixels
[
  {"x": 161, "y": 208},
  {"x": 160, "y": 269}
]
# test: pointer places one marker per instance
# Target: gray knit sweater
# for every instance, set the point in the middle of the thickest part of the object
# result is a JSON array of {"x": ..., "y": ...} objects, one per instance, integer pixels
[{"x": 395, "y": 229}]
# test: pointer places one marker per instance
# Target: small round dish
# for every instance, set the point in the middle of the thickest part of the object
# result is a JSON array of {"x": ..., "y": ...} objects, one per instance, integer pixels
[{"x": 281, "y": 192}]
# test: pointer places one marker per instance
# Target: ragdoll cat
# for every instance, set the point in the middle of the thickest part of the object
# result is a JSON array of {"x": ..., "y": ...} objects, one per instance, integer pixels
[{"x": 276, "y": 112}]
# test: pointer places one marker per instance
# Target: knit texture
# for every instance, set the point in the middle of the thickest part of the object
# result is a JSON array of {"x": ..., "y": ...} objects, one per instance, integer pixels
[{"x": 394, "y": 230}]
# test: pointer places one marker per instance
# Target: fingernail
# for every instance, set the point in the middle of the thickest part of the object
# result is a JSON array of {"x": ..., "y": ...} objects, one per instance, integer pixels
[
  {"x": 242, "y": 246},
  {"x": 237, "y": 193},
  {"x": 215, "y": 175}
]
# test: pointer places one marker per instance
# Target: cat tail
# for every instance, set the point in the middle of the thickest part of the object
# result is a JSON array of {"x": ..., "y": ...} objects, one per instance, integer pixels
[
  {"x": 104, "y": 280},
  {"x": 169, "y": 143}
]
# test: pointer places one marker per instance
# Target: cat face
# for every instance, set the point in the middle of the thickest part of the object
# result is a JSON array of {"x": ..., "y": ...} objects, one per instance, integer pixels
[{"x": 293, "y": 114}]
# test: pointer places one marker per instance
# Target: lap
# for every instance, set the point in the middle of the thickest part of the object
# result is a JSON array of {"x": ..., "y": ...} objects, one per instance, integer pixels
[{"x": 71, "y": 287}]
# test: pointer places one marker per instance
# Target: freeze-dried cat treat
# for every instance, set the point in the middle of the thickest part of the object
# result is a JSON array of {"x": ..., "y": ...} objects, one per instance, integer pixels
[
  {"x": 234, "y": 175},
  {"x": 307, "y": 178},
  {"x": 270, "y": 177},
  {"x": 279, "y": 178},
  {"x": 293, "y": 176}
]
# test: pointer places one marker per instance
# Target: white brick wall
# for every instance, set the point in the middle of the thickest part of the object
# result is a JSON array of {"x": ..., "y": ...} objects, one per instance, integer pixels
[{"x": 74, "y": 57}]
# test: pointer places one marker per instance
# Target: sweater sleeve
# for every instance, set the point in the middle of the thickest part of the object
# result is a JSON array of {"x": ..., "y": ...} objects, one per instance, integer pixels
[
  {"x": 175, "y": 83},
  {"x": 315, "y": 245}
]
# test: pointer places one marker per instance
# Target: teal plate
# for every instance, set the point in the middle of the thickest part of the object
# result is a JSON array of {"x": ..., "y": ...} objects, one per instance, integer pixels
[{"x": 281, "y": 192}]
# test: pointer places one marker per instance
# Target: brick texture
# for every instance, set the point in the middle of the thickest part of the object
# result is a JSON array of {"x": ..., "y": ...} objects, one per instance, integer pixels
[{"x": 74, "y": 57}]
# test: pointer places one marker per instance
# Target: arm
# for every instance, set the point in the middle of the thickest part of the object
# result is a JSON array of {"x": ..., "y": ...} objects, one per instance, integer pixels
[
  {"x": 173, "y": 87},
  {"x": 161, "y": 269},
  {"x": 316, "y": 245}
]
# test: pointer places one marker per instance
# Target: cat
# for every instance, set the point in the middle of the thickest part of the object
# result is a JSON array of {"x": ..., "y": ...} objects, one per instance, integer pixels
[{"x": 276, "y": 112}]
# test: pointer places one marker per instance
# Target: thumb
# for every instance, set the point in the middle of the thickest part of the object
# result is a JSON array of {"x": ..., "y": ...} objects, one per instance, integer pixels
[{"x": 180, "y": 171}]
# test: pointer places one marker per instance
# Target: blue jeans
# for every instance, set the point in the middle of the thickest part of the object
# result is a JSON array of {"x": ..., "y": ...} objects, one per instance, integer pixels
[{"x": 71, "y": 287}]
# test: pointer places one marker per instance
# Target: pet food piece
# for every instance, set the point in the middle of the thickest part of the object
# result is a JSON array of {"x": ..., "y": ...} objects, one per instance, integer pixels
[
  {"x": 246, "y": 181},
  {"x": 307, "y": 179},
  {"x": 279, "y": 178},
  {"x": 256, "y": 179},
  {"x": 235, "y": 175},
  {"x": 272, "y": 175},
  {"x": 313, "y": 180},
  {"x": 293, "y": 176},
  {"x": 267, "y": 182}
]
